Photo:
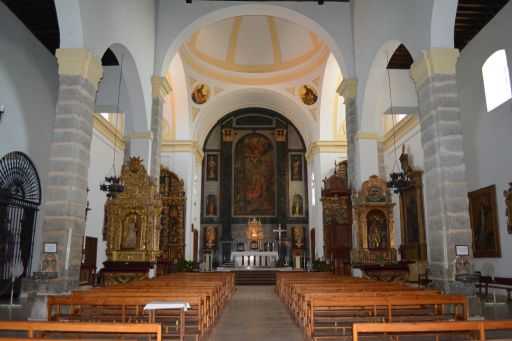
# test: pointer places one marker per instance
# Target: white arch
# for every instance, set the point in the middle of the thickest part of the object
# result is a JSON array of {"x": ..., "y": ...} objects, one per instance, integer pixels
[
  {"x": 169, "y": 45},
  {"x": 132, "y": 98},
  {"x": 442, "y": 23},
  {"x": 225, "y": 103},
  {"x": 368, "y": 121},
  {"x": 70, "y": 23},
  {"x": 329, "y": 100}
]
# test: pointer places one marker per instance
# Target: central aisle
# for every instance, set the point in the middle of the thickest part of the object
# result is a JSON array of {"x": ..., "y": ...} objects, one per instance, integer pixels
[{"x": 255, "y": 313}]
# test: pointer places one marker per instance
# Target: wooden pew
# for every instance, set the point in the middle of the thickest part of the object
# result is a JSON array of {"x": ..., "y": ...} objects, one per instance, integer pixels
[
  {"x": 340, "y": 313},
  {"x": 476, "y": 328},
  {"x": 487, "y": 282},
  {"x": 35, "y": 330}
]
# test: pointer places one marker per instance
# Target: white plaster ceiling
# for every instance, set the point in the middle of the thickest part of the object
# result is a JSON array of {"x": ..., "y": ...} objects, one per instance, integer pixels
[{"x": 254, "y": 46}]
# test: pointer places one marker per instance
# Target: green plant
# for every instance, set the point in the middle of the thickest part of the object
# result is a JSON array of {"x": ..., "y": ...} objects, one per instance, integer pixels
[
  {"x": 321, "y": 265},
  {"x": 184, "y": 265}
]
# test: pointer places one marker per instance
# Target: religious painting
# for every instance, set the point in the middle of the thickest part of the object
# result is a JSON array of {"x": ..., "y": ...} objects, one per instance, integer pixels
[
  {"x": 308, "y": 94},
  {"x": 253, "y": 176},
  {"x": 296, "y": 167},
  {"x": 212, "y": 167},
  {"x": 211, "y": 205},
  {"x": 412, "y": 227},
  {"x": 377, "y": 230},
  {"x": 508, "y": 207},
  {"x": 298, "y": 237},
  {"x": 130, "y": 232},
  {"x": 484, "y": 223},
  {"x": 210, "y": 236},
  {"x": 298, "y": 205},
  {"x": 201, "y": 93}
]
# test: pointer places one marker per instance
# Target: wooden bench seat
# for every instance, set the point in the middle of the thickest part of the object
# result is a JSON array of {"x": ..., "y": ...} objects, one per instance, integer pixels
[
  {"x": 74, "y": 331},
  {"x": 487, "y": 282},
  {"x": 477, "y": 329}
]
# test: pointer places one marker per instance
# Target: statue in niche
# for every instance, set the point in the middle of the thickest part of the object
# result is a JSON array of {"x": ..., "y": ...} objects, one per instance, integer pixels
[
  {"x": 211, "y": 205},
  {"x": 297, "y": 206},
  {"x": 130, "y": 239},
  {"x": 377, "y": 231}
]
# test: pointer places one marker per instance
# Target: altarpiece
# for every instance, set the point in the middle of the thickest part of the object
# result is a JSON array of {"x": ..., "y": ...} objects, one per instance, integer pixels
[
  {"x": 132, "y": 229},
  {"x": 337, "y": 217}
]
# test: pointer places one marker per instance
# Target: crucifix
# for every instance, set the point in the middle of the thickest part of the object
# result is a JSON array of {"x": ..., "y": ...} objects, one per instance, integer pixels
[{"x": 279, "y": 231}]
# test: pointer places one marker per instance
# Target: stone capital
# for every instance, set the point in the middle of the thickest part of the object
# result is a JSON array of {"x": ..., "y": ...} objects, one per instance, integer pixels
[
  {"x": 80, "y": 62},
  {"x": 321, "y": 147},
  {"x": 437, "y": 60},
  {"x": 184, "y": 146},
  {"x": 348, "y": 89},
  {"x": 365, "y": 135},
  {"x": 140, "y": 135},
  {"x": 160, "y": 87}
]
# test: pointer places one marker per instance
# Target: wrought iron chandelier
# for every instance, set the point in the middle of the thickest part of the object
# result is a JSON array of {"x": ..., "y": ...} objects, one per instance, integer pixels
[
  {"x": 398, "y": 180},
  {"x": 112, "y": 184}
]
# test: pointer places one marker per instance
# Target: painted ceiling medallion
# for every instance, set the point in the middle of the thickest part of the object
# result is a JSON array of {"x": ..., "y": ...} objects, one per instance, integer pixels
[
  {"x": 308, "y": 94},
  {"x": 201, "y": 93}
]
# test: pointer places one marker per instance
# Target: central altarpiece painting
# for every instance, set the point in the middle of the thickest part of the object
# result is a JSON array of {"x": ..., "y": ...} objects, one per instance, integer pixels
[{"x": 254, "y": 168}]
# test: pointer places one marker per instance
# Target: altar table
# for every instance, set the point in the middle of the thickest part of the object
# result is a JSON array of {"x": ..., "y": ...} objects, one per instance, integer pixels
[{"x": 254, "y": 258}]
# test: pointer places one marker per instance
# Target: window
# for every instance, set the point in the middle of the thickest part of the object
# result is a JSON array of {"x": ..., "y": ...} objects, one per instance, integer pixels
[{"x": 496, "y": 80}]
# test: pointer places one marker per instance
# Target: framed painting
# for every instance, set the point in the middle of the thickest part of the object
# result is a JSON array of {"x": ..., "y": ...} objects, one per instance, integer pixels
[
  {"x": 484, "y": 222},
  {"x": 212, "y": 167},
  {"x": 296, "y": 167}
]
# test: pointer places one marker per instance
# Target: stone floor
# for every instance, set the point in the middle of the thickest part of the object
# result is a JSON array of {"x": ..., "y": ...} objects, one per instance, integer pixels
[{"x": 255, "y": 313}]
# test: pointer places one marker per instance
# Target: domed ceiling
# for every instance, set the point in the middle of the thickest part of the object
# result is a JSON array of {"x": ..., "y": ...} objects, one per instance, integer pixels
[{"x": 254, "y": 46}]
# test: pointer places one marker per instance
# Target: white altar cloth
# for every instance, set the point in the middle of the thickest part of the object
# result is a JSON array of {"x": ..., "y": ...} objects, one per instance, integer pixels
[{"x": 254, "y": 258}]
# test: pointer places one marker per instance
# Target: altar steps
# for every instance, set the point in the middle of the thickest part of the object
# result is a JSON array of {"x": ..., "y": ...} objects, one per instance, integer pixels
[{"x": 255, "y": 277}]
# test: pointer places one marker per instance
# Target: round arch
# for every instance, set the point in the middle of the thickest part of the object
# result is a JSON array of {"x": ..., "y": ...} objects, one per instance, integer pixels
[
  {"x": 254, "y": 97},
  {"x": 132, "y": 101},
  {"x": 174, "y": 43},
  {"x": 368, "y": 121}
]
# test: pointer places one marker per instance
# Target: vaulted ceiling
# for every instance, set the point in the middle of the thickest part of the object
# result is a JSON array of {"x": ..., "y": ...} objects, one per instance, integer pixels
[{"x": 41, "y": 19}]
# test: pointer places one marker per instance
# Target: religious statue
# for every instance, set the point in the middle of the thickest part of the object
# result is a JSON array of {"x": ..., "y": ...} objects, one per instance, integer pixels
[
  {"x": 211, "y": 236},
  {"x": 211, "y": 205},
  {"x": 130, "y": 240},
  {"x": 212, "y": 167},
  {"x": 297, "y": 205},
  {"x": 374, "y": 242}
]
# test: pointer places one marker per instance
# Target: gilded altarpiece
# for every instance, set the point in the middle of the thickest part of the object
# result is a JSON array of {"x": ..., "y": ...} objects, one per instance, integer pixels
[
  {"x": 374, "y": 223},
  {"x": 133, "y": 217},
  {"x": 172, "y": 236},
  {"x": 337, "y": 218}
]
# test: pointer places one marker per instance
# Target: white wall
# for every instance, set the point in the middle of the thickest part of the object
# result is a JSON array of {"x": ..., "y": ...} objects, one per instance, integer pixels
[
  {"x": 487, "y": 136},
  {"x": 102, "y": 157},
  {"x": 413, "y": 148},
  {"x": 28, "y": 89}
]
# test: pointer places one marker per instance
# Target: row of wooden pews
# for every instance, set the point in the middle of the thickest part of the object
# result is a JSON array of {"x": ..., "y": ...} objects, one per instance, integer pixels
[
  {"x": 326, "y": 305},
  {"x": 206, "y": 294}
]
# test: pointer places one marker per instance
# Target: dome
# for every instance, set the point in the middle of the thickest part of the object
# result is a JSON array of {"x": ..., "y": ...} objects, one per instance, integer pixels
[{"x": 255, "y": 45}]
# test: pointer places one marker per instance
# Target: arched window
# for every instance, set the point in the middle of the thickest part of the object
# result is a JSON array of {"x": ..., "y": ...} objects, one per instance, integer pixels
[{"x": 496, "y": 80}]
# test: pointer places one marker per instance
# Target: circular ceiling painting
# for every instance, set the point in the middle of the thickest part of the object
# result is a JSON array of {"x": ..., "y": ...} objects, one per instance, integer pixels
[
  {"x": 201, "y": 93},
  {"x": 308, "y": 94}
]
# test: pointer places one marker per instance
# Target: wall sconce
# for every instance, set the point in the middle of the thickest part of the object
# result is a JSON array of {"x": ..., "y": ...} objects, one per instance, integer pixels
[{"x": 2, "y": 110}]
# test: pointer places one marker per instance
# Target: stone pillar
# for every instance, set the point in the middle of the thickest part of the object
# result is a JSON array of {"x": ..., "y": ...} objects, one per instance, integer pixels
[
  {"x": 366, "y": 143},
  {"x": 348, "y": 89},
  {"x": 160, "y": 89},
  {"x": 140, "y": 144},
  {"x": 66, "y": 195},
  {"x": 447, "y": 217}
]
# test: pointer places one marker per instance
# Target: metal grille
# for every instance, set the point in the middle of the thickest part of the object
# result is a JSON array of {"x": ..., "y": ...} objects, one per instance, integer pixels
[{"x": 20, "y": 197}]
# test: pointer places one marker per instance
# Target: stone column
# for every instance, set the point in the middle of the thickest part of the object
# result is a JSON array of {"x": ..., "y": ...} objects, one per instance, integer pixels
[
  {"x": 348, "y": 89},
  {"x": 66, "y": 195},
  {"x": 140, "y": 144},
  {"x": 160, "y": 89},
  {"x": 447, "y": 218}
]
